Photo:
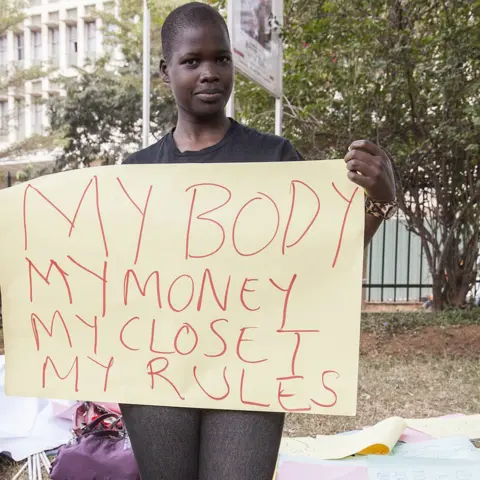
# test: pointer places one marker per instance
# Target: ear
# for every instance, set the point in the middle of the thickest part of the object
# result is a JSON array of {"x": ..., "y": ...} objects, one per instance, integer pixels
[{"x": 164, "y": 71}]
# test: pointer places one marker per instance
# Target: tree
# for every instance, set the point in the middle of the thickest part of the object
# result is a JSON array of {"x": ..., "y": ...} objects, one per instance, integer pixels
[
  {"x": 439, "y": 166},
  {"x": 12, "y": 14},
  {"x": 406, "y": 75},
  {"x": 108, "y": 125}
]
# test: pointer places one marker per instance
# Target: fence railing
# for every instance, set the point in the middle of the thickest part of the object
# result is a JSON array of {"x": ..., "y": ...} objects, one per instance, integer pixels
[{"x": 396, "y": 267}]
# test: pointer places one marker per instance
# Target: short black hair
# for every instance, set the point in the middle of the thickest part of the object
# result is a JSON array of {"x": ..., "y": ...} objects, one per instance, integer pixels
[{"x": 189, "y": 15}]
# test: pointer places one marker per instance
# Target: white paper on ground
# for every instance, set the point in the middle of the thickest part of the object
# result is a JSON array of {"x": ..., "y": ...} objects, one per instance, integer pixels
[
  {"x": 65, "y": 408},
  {"x": 452, "y": 425},
  {"x": 332, "y": 471},
  {"x": 378, "y": 439},
  {"x": 29, "y": 425},
  {"x": 453, "y": 448},
  {"x": 49, "y": 432},
  {"x": 401, "y": 468},
  {"x": 355, "y": 461},
  {"x": 16, "y": 425}
]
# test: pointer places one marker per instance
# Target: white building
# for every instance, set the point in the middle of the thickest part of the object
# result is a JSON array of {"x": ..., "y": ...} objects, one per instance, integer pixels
[{"x": 60, "y": 34}]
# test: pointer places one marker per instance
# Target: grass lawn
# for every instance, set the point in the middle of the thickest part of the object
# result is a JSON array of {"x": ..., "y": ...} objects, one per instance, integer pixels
[
  {"x": 406, "y": 387},
  {"x": 410, "y": 366}
]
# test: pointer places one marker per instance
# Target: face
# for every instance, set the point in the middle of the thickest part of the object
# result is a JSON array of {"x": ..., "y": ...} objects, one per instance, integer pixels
[{"x": 200, "y": 72}]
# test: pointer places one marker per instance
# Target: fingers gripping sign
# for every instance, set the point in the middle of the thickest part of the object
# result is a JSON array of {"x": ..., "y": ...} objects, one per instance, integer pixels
[{"x": 370, "y": 168}]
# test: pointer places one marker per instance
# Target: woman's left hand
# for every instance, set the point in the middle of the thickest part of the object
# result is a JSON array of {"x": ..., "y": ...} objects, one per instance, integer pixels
[{"x": 370, "y": 168}]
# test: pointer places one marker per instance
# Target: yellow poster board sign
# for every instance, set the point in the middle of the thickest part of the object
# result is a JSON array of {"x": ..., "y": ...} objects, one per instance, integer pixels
[{"x": 231, "y": 286}]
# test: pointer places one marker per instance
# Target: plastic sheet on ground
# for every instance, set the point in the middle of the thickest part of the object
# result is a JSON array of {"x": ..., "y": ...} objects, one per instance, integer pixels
[{"x": 30, "y": 425}]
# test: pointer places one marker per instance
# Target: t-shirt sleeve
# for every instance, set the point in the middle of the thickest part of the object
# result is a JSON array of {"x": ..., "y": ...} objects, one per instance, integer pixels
[
  {"x": 130, "y": 159},
  {"x": 290, "y": 153}
]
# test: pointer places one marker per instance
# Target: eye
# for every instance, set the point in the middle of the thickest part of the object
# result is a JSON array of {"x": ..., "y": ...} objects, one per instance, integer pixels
[
  {"x": 191, "y": 62},
  {"x": 224, "y": 59}
]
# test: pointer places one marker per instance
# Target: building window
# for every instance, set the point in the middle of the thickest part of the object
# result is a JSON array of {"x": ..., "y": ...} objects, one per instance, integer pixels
[
  {"x": 36, "y": 47},
  {"x": 37, "y": 87},
  {"x": 3, "y": 120},
  {"x": 72, "y": 45},
  {"x": 3, "y": 54},
  {"x": 37, "y": 118},
  {"x": 109, "y": 31},
  {"x": 72, "y": 14},
  {"x": 53, "y": 47},
  {"x": 20, "y": 47},
  {"x": 36, "y": 22},
  {"x": 20, "y": 119},
  {"x": 90, "y": 40},
  {"x": 109, "y": 7}
]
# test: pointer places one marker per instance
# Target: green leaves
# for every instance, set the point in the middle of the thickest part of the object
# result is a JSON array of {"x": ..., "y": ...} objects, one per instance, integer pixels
[
  {"x": 12, "y": 14},
  {"x": 404, "y": 74}
]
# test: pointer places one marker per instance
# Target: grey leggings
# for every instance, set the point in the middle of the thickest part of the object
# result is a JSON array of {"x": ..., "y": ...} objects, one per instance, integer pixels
[{"x": 190, "y": 444}]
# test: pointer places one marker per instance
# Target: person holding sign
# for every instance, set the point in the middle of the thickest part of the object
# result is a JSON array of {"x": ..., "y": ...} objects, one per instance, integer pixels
[{"x": 188, "y": 444}]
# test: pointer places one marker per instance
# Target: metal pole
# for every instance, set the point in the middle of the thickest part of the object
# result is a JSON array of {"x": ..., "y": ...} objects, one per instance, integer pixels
[
  {"x": 396, "y": 259},
  {"x": 421, "y": 273},
  {"x": 370, "y": 262},
  {"x": 230, "y": 109},
  {"x": 278, "y": 116},
  {"x": 146, "y": 75},
  {"x": 384, "y": 241},
  {"x": 409, "y": 247},
  {"x": 278, "y": 100}
]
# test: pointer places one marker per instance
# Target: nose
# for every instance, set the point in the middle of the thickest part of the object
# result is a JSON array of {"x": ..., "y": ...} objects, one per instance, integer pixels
[{"x": 209, "y": 73}]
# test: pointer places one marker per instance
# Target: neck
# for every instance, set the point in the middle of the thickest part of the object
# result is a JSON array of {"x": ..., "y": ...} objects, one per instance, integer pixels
[{"x": 195, "y": 134}]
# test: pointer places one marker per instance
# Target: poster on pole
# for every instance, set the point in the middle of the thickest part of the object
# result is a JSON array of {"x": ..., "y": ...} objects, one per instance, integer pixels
[
  {"x": 218, "y": 286},
  {"x": 256, "y": 43}
]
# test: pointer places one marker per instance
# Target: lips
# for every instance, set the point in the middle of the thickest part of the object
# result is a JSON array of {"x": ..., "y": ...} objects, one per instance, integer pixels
[
  {"x": 211, "y": 91},
  {"x": 210, "y": 95}
]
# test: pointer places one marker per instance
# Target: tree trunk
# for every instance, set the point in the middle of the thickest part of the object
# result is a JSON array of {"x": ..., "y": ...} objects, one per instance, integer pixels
[{"x": 438, "y": 281}]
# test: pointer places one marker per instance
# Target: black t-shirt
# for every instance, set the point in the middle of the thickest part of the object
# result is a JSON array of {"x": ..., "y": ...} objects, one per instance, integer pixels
[{"x": 240, "y": 144}]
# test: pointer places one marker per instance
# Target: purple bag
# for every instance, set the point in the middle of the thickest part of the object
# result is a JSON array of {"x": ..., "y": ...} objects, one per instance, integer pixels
[{"x": 97, "y": 455}]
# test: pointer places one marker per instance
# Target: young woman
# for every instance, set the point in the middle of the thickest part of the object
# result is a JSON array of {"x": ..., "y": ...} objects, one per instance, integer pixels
[{"x": 190, "y": 444}]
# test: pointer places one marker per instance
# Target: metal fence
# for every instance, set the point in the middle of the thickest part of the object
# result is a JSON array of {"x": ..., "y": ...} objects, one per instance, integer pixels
[{"x": 396, "y": 266}]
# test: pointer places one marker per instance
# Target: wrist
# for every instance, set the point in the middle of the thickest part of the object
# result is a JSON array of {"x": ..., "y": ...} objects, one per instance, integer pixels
[{"x": 384, "y": 210}]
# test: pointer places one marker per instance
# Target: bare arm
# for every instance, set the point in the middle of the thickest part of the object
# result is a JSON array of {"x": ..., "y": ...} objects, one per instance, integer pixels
[
  {"x": 372, "y": 224},
  {"x": 370, "y": 168}
]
